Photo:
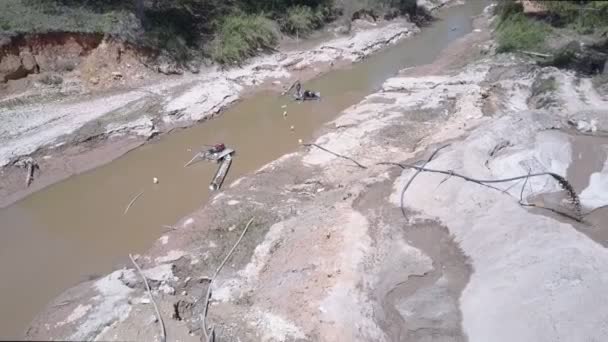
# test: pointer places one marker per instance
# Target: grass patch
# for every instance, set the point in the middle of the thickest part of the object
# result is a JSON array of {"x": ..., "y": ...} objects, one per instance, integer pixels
[
  {"x": 507, "y": 8},
  {"x": 242, "y": 36},
  {"x": 518, "y": 32},
  {"x": 27, "y": 16},
  {"x": 585, "y": 17}
]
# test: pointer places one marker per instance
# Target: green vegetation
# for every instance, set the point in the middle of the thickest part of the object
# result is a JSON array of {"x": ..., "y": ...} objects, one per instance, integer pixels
[
  {"x": 25, "y": 16},
  {"x": 558, "y": 28},
  {"x": 518, "y": 32},
  {"x": 583, "y": 16},
  {"x": 227, "y": 31},
  {"x": 242, "y": 36}
]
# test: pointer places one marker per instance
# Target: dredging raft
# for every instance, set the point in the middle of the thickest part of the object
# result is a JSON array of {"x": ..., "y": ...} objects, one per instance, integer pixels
[{"x": 221, "y": 155}]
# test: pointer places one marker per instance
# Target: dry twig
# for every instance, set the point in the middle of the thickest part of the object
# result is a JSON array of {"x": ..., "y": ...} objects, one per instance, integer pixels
[
  {"x": 575, "y": 200},
  {"x": 414, "y": 176},
  {"x": 337, "y": 155},
  {"x": 161, "y": 323},
  {"x": 209, "y": 335}
]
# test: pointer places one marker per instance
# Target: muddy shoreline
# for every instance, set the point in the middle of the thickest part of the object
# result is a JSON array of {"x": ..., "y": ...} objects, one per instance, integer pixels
[
  {"x": 329, "y": 235},
  {"x": 102, "y": 245},
  {"x": 88, "y": 148},
  {"x": 267, "y": 195}
]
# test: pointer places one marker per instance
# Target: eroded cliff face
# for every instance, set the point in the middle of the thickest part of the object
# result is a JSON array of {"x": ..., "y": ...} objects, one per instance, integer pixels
[
  {"x": 25, "y": 54},
  {"x": 338, "y": 251}
]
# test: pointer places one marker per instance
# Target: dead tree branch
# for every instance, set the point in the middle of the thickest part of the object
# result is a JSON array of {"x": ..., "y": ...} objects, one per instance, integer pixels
[
  {"x": 402, "y": 197},
  {"x": 209, "y": 335},
  {"x": 337, "y": 155},
  {"x": 485, "y": 182},
  {"x": 564, "y": 184},
  {"x": 161, "y": 323}
]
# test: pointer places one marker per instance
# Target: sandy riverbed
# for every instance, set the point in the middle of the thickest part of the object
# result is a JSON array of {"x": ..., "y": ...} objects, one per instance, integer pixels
[
  {"x": 330, "y": 255},
  {"x": 77, "y": 134}
]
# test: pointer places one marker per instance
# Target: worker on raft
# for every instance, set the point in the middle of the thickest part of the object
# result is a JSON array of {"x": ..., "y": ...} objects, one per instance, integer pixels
[{"x": 303, "y": 96}]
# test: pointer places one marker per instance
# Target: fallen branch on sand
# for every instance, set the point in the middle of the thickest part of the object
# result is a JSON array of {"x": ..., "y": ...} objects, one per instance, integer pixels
[
  {"x": 161, "y": 323},
  {"x": 30, "y": 165},
  {"x": 209, "y": 334},
  {"x": 402, "y": 197},
  {"x": 133, "y": 201},
  {"x": 336, "y": 154},
  {"x": 483, "y": 182}
]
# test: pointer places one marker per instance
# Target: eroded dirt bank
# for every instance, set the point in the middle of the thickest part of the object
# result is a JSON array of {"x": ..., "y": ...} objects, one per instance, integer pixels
[{"x": 330, "y": 255}]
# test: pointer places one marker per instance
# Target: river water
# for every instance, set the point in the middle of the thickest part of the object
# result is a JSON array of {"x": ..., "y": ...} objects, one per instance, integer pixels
[{"x": 76, "y": 229}]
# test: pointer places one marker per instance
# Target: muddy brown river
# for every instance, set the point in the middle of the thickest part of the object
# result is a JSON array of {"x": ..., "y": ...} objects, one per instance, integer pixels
[{"x": 74, "y": 230}]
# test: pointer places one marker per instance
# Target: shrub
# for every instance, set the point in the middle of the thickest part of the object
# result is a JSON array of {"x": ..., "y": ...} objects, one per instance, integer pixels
[
  {"x": 518, "y": 32},
  {"x": 507, "y": 8},
  {"x": 384, "y": 8},
  {"x": 301, "y": 20},
  {"x": 583, "y": 16},
  {"x": 242, "y": 36}
]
